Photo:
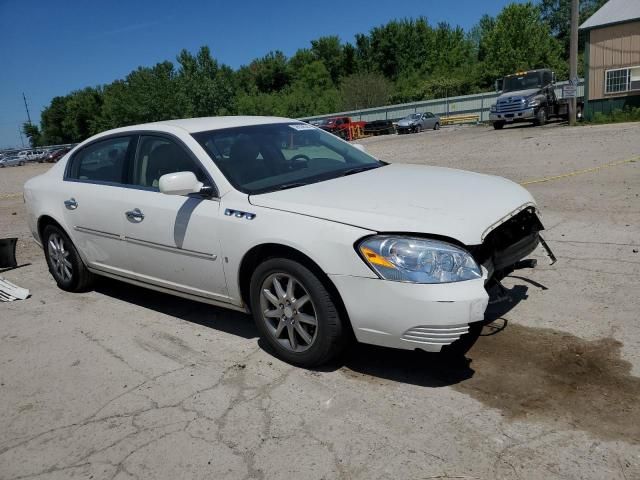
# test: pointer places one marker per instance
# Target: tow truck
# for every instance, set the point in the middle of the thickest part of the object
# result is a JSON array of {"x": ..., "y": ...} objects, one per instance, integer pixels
[{"x": 529, "y": 97}]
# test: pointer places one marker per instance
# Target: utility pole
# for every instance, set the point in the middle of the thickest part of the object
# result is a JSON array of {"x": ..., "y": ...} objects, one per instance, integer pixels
[
  {"x": 26, "y": 107},
  {"x": 573, "y": 58}
]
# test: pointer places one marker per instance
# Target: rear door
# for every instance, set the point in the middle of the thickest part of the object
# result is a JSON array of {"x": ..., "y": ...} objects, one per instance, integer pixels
[
  {"x": 94, "y": 197},
  {"x": 173, "y": 241}
]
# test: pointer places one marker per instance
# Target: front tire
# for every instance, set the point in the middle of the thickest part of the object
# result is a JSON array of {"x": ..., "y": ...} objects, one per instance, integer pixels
[
  {"x": 64, "y": 262},
  {"x": 498, "y": 125},
  {"x": 541, "y": 117},
  {"x": 295, "y": 313}
]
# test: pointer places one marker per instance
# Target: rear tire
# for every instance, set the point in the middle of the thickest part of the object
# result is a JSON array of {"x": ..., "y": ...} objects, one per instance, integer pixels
[
  {"x": 304, "y": 332},
  {"x": 498, "y": 125},
  {"x": 436, "y": 126},
  {"x": 64, "y": 262}
]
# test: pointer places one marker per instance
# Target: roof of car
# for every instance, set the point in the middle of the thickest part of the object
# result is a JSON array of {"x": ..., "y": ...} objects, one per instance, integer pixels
[{"x": 193, "y": 125}]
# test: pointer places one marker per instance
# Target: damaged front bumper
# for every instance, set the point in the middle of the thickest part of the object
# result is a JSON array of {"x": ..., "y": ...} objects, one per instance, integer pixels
[{"x": 430, "y": 316}]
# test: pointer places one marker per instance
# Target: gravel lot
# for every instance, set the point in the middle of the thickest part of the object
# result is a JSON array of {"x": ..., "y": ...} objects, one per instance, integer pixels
[{"x": 126, "y": 383}]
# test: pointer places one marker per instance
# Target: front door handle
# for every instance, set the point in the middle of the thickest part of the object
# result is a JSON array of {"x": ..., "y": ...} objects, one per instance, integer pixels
[
  {"x": 135, "y": 215},
  {"x": 71, "y": 204}
]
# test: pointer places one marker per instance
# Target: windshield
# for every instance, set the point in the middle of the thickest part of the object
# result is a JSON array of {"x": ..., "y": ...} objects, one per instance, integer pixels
[
  {"x": 522, "y": 82},
  {"x": 264, "y": 158}
]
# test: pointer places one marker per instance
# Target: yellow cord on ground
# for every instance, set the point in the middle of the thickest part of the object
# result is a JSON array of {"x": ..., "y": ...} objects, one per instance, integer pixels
[
  {"x": 10, "y": 195},
  {"x": 580, "y": 172}
]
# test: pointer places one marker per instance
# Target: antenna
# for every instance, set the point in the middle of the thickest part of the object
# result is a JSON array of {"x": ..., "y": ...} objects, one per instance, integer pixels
[{"x": 26, "y": 107}]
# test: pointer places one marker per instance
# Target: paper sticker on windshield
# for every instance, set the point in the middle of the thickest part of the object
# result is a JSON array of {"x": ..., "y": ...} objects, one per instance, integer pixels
[{"x": 302, "y": 126}]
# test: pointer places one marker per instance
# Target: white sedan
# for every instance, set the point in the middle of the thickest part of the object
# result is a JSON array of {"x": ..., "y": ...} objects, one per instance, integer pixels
[{"x": 317, "y": 239}]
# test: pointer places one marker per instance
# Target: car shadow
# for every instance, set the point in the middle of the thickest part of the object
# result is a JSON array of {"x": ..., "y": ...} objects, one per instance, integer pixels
[
  {"x": 210, "y": 316},
  {"x": 368, "y": 363}
]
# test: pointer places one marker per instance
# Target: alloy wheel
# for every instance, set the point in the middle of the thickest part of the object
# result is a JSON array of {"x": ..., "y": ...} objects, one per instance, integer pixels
[
  {"x": 288, "y": 312},
  {"x": 59, "y": 257}
]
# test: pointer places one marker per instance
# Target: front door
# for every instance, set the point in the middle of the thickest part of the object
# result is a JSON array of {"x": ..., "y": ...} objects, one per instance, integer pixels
[{"x": 172, "y": 241}]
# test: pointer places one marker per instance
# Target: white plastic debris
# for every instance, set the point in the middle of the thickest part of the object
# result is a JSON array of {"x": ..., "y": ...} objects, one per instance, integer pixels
[{"x": 10, "y": 292}]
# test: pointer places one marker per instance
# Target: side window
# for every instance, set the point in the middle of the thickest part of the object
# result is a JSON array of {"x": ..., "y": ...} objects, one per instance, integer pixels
[
  {"x": 102, "y": 161},
  {"x": 158, "y": 156}
]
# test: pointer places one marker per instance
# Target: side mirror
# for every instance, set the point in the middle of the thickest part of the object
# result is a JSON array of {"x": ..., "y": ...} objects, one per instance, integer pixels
[
  {"x": 179, "y": 183},
  {"x": 360, "y": 147},
  {"x": 498, "y": 85}
]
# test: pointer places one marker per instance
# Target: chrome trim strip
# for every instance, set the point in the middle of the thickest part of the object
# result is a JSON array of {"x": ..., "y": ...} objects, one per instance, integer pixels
[
  {"x": 100, "y": 233},
  {"x": 160, "y": 246},
  {"x": 145, "y": 243}
]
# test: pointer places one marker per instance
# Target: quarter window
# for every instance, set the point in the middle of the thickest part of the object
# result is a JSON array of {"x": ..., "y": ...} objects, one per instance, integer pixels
[
  {"x": 101, "y": 161},
  {"x": 622, "y": 80},
  {"x": 158, "y": 156}
]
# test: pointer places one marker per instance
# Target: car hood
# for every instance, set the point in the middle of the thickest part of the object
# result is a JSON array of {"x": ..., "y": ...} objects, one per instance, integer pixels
[
  {"x": 519, "y": 93},
  {"x": 408, "y": 198},
  {"x": 406, "y": 123}
]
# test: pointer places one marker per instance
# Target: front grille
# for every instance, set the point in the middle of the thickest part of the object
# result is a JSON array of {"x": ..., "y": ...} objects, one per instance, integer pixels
[
  {"x": 509, "y": 242},
  {"x": 510, "y": 104},
  {"x": 435, "y": 334}
]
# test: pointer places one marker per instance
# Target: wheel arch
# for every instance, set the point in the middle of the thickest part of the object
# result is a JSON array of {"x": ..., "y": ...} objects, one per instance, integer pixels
[
  {"x": 45, "y": 220},
  {"x": 259, "y": 253}
]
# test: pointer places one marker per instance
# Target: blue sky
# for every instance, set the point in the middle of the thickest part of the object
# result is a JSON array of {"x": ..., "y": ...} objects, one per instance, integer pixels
[{"x": 49, "y": 48}]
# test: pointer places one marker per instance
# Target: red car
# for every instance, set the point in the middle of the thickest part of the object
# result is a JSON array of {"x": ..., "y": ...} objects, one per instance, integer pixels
[{"x": 54, "y": 155}]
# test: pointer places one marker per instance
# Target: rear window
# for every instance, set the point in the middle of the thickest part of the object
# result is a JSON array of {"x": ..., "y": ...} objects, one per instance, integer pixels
[{"x": 102, "y": 161}]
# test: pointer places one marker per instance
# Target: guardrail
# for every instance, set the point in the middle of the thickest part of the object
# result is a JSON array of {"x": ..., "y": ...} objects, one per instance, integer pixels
[{"x": 477, "y": 104}]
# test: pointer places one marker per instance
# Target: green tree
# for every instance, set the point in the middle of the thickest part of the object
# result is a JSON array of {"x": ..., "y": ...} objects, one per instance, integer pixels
[
  {"x": 557, "y": 15},
  {"x": 271, "y": 73},
  {"x": 51, "y": 122},
  {"x": 365, "y": 90},
  {"x": 329, "y": 51},
  {"x": 33, "y": 133},
  {"x": 520, "y": 40},
  {"x": 146, "y": 95},
  {"x": 204, "y": 88},
  {"x": 82, "y": 112}
]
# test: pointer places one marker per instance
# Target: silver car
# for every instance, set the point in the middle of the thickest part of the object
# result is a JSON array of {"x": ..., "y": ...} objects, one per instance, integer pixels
[
  {"x": 416, "y": 122},
  {"x": 10, "y": 161}
]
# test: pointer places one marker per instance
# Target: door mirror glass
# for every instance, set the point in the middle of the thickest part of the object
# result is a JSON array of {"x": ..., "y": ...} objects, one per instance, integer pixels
[
  {"x": 179, "y": 183},
  {"x": 498, "y": 85}
]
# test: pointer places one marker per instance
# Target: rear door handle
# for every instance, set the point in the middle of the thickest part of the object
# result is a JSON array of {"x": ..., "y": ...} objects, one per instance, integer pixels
[
  {"x": 135, "y": 215},
  {"x": 71, "y": 204}
]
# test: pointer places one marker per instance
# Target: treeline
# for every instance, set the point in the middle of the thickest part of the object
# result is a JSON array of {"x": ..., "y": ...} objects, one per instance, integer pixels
[{"x": 402, "y": 61}]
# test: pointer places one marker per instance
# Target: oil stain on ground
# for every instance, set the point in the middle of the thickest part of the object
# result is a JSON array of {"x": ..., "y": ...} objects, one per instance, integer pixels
[
  {"x": 540, "y": 373},
  {"x": 529, "y": 374}
]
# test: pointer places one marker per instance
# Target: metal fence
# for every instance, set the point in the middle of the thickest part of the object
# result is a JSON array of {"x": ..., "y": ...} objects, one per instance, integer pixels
[{"x": 476, "y": 104}]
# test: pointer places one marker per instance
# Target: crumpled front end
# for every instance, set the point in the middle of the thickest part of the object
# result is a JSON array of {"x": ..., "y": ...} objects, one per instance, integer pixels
[{"x": 430, "y": 316}]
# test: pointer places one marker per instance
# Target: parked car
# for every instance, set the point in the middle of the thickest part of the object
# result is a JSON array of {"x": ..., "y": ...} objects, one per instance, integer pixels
[
  {"x": 11, "y": 161},
  {"x": 417, "y": 122},
  {"x": 53, "y": 156},
  {"x": 313, "y": 236}
]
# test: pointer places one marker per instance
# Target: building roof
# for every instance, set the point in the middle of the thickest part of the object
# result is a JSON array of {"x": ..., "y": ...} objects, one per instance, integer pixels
[{"x": 614, "y": 11}]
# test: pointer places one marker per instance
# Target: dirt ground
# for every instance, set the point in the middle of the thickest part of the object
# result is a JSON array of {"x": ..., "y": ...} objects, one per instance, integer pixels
[{"x": 125, "y": 383}]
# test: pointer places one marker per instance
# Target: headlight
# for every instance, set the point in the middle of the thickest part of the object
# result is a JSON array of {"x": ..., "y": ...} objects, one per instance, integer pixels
[
  {"x": 532, "y": 102},
  {"x": 418, "y": 260},
  {"x": 493, "y": 108}
]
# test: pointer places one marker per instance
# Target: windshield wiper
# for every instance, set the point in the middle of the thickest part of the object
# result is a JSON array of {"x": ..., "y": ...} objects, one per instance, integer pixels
[
  {"x": 353, "y": 170},
  {"x": 286, "y": 186}
]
